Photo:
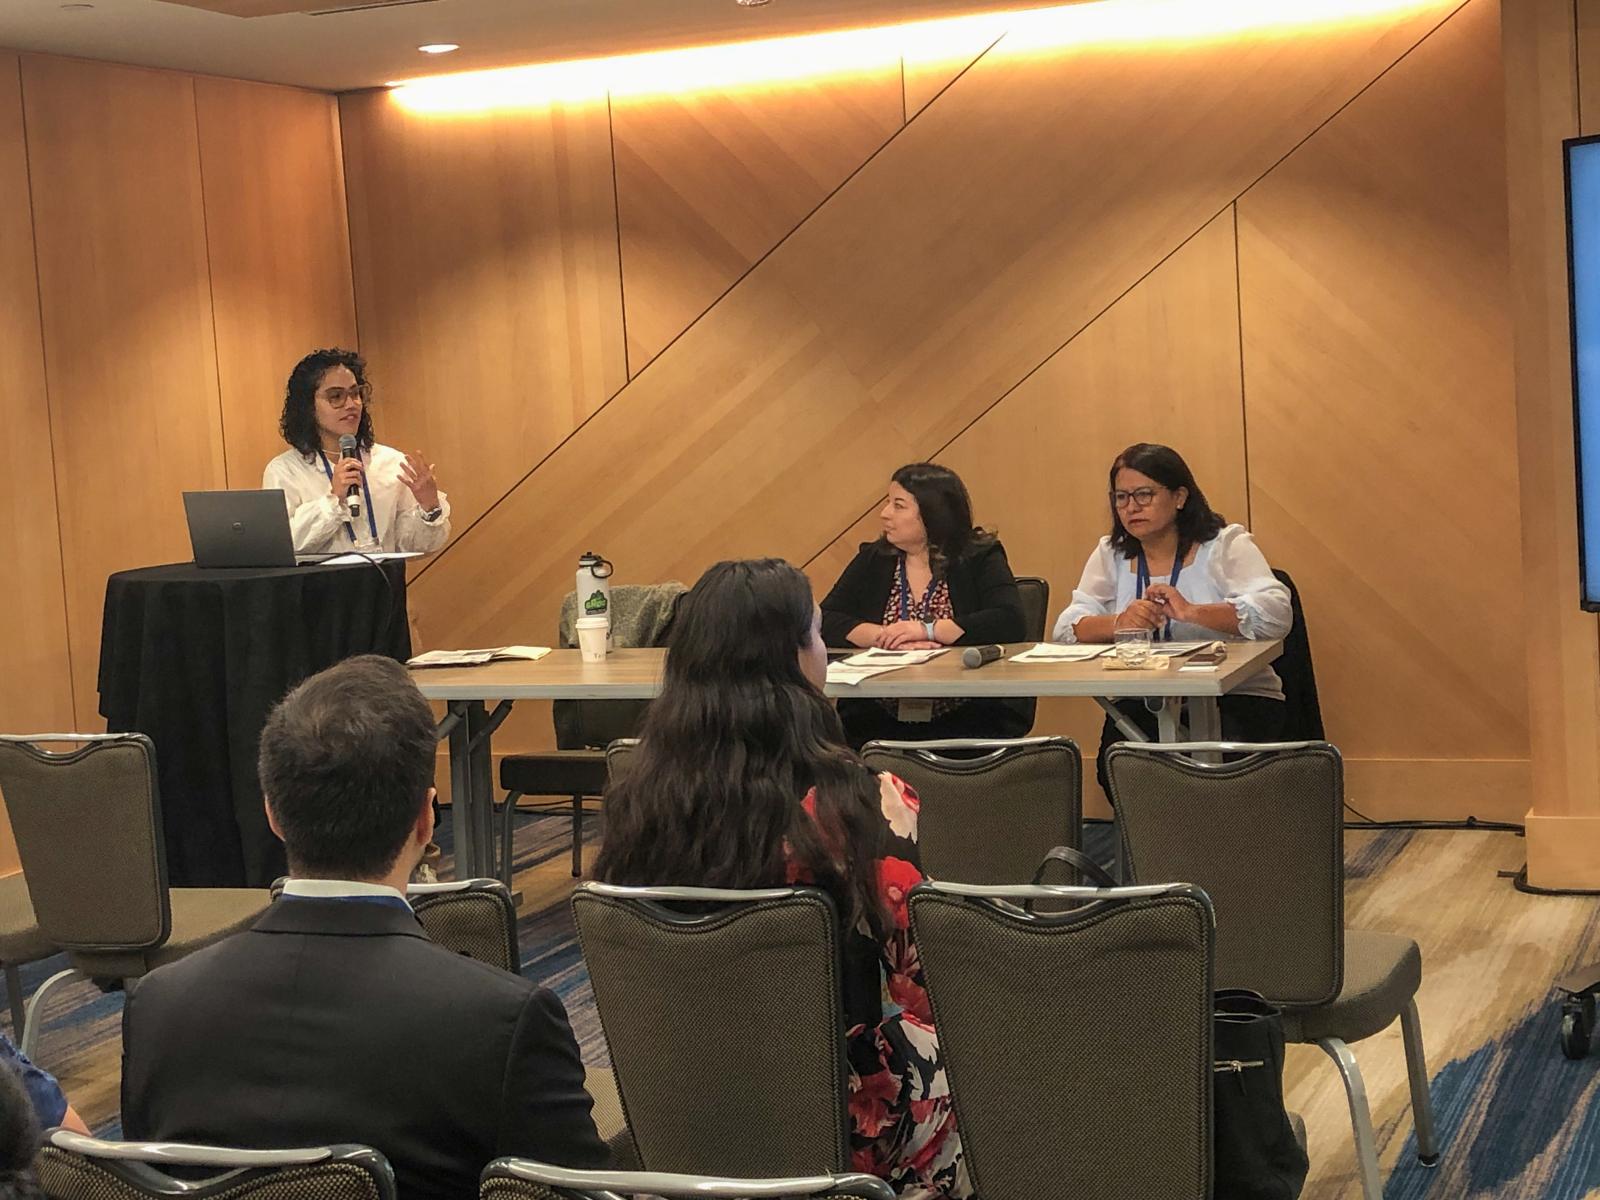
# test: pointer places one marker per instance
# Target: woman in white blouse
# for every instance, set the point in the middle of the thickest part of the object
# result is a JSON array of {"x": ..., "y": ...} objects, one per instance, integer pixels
[
  {"x": 400, "y": 504},
  {"x": 1173, "y": 566}
]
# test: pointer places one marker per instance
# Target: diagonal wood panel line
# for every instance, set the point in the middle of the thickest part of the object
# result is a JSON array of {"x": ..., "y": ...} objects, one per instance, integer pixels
[
  {"x": 579, "y": 427},
  {"x": 845, "y": 532}
]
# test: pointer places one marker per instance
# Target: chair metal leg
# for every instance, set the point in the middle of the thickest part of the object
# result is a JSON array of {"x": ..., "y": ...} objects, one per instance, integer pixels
[
  {"x": 577, "y": 836},
  {"x": 508, "y": 817},
  {"x": 19, "y": 1009},
  {"x": 33, "y": 1018},
  {"x": 1421, "y": 1095},
  {"x": 1360, "y": 1117}
]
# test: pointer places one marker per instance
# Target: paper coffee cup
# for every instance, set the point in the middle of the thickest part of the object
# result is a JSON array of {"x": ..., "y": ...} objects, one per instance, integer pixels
[{"x": 592, "y": 638}]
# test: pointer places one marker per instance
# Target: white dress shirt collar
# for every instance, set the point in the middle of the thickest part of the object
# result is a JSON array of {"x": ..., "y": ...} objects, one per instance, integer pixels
[{"x": 337, "y": 889}]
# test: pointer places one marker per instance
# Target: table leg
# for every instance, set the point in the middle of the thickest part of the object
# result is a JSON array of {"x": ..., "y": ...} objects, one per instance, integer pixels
[
  {"x": 482, "y": 809},
  {"x": 1205, "y": 719},
  {"x": 459, "y": 723},
  {"x": 1169, "y": 720}
]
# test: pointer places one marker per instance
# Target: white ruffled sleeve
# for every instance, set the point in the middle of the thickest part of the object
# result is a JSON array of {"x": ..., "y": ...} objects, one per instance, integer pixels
[
  {"x": 1259, "y": 600},
  {"x": 413, "y": 533},
  {"x": 1095, "y": 595}
]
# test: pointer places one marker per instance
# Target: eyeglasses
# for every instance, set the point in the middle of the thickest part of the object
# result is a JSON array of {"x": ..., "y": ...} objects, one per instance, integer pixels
[
  {"x": 1140, "y": 496},
  {"x": 339, "y": 397}
]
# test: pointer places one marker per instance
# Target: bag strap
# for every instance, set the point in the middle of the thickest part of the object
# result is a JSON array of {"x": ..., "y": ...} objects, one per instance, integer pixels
[{"x": 1080, "y": 862}]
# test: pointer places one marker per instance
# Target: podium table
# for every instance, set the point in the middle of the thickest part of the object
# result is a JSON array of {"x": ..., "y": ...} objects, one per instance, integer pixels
[
  {"x": 195, "y": 658},
  {"x": 636, "y": 675}
]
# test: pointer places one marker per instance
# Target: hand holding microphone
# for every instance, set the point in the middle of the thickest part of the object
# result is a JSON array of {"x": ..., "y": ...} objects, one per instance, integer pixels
[{"x": 347, "y": 475}]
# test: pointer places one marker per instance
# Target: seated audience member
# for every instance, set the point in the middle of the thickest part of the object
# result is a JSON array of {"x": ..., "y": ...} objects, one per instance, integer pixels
[
  {"x": 335, "y": 1019},
  {"x": 930, "y": 579},
  {"x": 742, "y": 779},
  {"x": 1173, "y": 566},
  {"x": 19, "y": 1136},
  {"x": 43, "y": 1093}
]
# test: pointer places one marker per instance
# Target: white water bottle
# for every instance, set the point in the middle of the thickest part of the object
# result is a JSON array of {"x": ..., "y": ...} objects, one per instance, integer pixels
[{"x": 594, "y": 589}]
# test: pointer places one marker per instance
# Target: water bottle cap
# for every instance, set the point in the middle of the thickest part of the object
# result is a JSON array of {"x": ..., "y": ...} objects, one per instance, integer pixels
[{"x": 600, "y": 568}]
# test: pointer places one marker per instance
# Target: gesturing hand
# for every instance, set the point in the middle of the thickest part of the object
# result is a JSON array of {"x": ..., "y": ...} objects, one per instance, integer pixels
[
  {"x": 1172, "y": 600},
  {"x": 346, "y": 475},
  {"x": 417, "y": 474},
  {"x": 1140, "y": 614}
]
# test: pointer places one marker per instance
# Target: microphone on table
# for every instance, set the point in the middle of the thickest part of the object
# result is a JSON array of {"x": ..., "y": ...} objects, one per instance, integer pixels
[
  {"x": 348, "y": 449},
  {"x": 981, "y": 656}
]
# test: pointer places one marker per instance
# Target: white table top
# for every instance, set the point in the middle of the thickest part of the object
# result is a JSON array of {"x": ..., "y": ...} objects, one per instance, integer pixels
[{"x": 636, "y": 675}]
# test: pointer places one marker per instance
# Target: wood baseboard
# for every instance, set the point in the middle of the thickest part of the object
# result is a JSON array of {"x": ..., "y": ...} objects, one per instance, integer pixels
[{"x": 1563, "y": 852}]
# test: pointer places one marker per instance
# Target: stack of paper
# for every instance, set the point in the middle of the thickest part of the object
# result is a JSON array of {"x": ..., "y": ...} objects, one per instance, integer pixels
[
  {"x": 476, "y": 658},
  {"x": 868, "y": 663},
  {"x": 1053, "y": 652}
]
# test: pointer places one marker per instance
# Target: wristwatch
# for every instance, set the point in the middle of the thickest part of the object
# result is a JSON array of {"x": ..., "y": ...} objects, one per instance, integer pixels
[
  {"x": 433, "y": 514},
  {"x": 927, "y": 628}
]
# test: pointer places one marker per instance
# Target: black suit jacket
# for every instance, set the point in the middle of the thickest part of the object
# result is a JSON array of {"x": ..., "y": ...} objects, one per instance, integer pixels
[
  {"x": 339, "y": 1021},
  {"x": 983, "y": 595}
]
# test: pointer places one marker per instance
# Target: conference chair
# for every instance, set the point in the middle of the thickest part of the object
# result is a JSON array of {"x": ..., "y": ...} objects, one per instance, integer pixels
[
  {"x": 21, "y": 942},
  {"x": 1303, "y": 711},
  {"x": 71, "y": 1166},
  {"x": 523, "y": 1179},
  {"x": 1035, "y": 595},
  {"x": 1078, "y": 1043},
  {"x": 1264, "y": 836},
  {"x": 687, "y": 982},
  {"x": 88, "y": 827},
  {"x": 641, "y": 616},
  {"x": 991, "y": 808}
]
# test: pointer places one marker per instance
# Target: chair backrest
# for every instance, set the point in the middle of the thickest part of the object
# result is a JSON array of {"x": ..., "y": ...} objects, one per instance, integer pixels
[
  {"x": 1264, "y": 836},
  {"x": 1303, "y": 711},
  {"x": 88, "y": 827},
  {"x": 618, "y": 754},
  {"x": 722, "y": 1011},
  {"x": 1035, "y": 595},
  {"x": 73, "y": 1167},
  {"x": 641, "y": 615},
  {"x": 473, "y": 917},
  {"x": 524, "y": 1179},
  {"x": 990, "y": 809},
  {"x": 1078, "y": 1043}
]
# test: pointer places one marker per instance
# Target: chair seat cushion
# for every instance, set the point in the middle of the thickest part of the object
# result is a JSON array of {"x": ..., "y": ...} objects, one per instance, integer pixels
[
  {"x": 20, "y": 938},
  {"x": 201, "y": 916},
  {"x": 1382, "y": 972},
  {"x": 555, "y": 773}
]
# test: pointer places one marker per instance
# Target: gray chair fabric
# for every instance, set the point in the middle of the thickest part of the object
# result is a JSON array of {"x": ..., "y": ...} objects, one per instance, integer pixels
[
  {"x": 88, "y": 827},
  {"x": 1078, "y": 1043},
  {"x": 990, "y": 809},
  {"x": 642, "y": 615},
  {"x": 609, "y": 1119},
  {"x": 524, "y": 1179},
  {"x": 1264, "y": 836},
  {"x": 73, "y": 1167},
  {"x": 687, "y": 982},
  {"x": 21, "y": 941}
]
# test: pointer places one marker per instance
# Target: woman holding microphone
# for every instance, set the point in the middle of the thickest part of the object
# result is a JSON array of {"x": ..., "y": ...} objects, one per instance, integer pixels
[{"x": 346, "y": 491}]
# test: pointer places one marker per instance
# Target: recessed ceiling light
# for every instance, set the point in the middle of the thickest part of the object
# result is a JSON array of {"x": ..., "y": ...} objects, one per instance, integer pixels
[
  {"x": 77, "y": 7},
  {"x": 438, "y": 47},
  {"x": 751, "y": 3}
]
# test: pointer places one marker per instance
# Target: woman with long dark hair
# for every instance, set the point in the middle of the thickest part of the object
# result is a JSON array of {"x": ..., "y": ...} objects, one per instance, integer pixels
[
  {"x": 399, "y": 504},
  {"x": 932, "y": 578},
  {"x": 742, "y": 779},
  {"x": 1174, "y": 566}
]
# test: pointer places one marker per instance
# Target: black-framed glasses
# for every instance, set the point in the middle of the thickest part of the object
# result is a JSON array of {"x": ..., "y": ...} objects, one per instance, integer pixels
[
  {"x": 338, "y": 397},
  {"x": 1140, "y": 496}
]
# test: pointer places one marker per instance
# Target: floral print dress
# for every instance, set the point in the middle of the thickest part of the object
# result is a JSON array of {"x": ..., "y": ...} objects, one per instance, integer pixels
[{"x": 902, "y": 1120}]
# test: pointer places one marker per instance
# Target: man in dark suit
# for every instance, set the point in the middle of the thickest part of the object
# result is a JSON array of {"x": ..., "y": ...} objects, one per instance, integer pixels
[{"x": 335, "y": 1019}]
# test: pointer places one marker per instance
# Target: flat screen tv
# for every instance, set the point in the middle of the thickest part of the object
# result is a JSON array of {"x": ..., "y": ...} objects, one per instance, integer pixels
[{"x": 1583, "y": 274}]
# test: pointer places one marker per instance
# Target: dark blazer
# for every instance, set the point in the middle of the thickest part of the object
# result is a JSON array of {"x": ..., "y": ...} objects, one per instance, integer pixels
[
  {"x": 983, "y": 595},
  {"x": 339, "y": 1021}
]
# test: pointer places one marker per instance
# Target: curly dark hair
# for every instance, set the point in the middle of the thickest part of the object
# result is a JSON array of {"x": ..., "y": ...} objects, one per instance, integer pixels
[
  {"x": 1197, "y": 521},
  {"x": 946, "y": 512},
  {"x": 20, "y": 1139},
  {"x": 730, "y": 748},
  {"x": 299, "y": 421}
]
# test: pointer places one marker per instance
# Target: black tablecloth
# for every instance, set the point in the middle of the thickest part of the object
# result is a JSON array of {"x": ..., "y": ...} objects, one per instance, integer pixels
[{"x": 196, "y": 658}]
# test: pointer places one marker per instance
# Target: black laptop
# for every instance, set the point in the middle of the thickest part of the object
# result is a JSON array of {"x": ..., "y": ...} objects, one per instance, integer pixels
[{"x": 239, "y": 529}]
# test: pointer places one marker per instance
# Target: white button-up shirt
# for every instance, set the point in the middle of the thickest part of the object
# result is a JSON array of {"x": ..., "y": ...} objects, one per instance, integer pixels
[{"x": 320, "y": 522}]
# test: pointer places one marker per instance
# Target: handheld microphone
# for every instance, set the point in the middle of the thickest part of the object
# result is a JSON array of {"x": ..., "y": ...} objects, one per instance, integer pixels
[
  {"x": 981, "y": 656},
  {"x": 348, "y": 449}
]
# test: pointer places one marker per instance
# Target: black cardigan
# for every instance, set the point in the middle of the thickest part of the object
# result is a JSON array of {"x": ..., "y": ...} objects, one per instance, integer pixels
[{"x": 983, "y": 595}]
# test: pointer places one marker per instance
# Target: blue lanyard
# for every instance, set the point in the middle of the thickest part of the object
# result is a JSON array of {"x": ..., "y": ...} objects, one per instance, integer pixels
[
  {"x": 372, "y": 520},
  {"x": 905, "y": 592},
  {"x": 1143, "y": 581}
]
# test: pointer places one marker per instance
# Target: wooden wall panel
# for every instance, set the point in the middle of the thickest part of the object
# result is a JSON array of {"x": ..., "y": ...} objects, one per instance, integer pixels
[
  {"x": 708, "y": 182},
  {"x": 129, "y": 347},
  {"x": 1587, "y": 76},
  {"x": 1103, "y": 391},
  {"x": 935, "y": 60},
  {"x": 487, "y": 283},
  {"x": 931, "y": 283},
  {"x": 1380, "y": 406},
  {"x": 37, "y": 693},
  {"x": 279, "y": 251}
]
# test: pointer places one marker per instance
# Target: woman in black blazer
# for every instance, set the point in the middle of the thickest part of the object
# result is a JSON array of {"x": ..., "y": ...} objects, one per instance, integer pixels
[{"x": 931, "y": 579}]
